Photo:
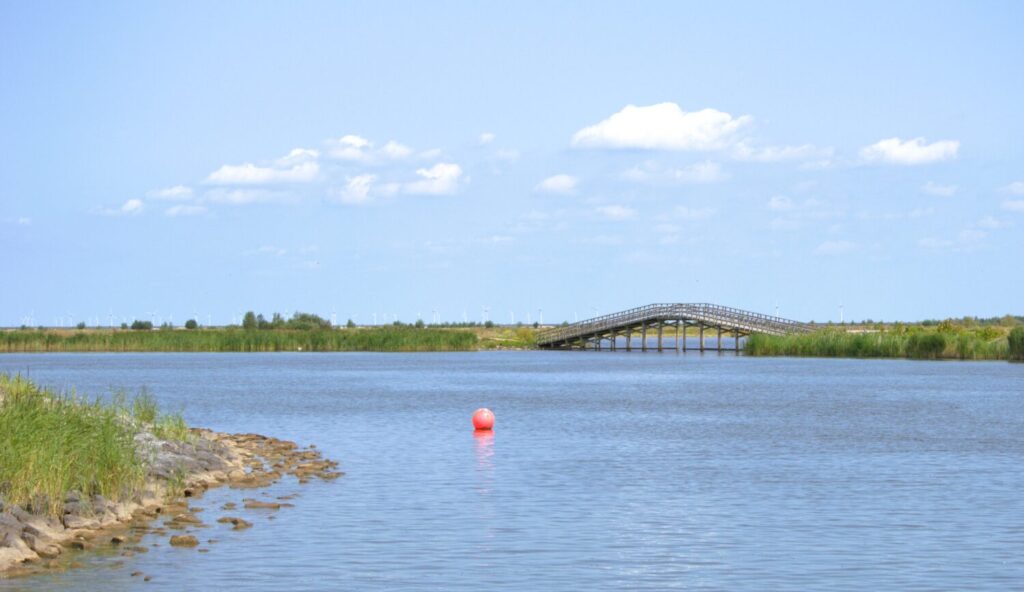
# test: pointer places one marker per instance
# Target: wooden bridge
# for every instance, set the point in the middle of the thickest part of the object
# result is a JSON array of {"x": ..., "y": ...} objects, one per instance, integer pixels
[{"x": 653, "y": 319}]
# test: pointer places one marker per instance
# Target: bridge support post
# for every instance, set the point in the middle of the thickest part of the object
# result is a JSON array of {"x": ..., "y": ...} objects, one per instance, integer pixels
[
  {"x": 686, "y": 327},
  {"x": 629, "y": 339},
  {"x": 677, "y": 336},
  {"x": 661, "y": 326},
  {"x": 736, "y": 340},
  {"x": 719, "y": 342},
  {"x": 643, "y": 336},
  {"x": 702, "y": 338}
]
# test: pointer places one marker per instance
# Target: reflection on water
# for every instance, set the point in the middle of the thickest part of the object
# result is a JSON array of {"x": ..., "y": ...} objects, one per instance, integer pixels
[{"x": 616, "y": 471}]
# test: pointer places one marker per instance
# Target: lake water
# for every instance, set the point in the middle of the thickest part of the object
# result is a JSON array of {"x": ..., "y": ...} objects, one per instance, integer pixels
[{"x": 606, "y": 471}]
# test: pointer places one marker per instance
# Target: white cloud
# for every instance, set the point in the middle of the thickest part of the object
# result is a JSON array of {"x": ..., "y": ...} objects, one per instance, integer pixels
[
  {"x": 298, "y": 156},
  {"x": 440, "y": 179},
  {"x": 357, "y": 189},
  {"x": 487, "y": 138},
  {"x": 835, "y": 247},
  {"x": 743, "y": 150},
  {"x": 358, "y": 149},
  {"x": 687, "y": 213},
  {"x": 616, "y": 212},
  {"x": 245, "y": 196},
  {"x": 178, "y": 192},
  {"x": 698, "y": 173},
  {"x": 507, "y": 154},
  {"x": 1014, "y": 205},
  {"x": 184, "y": 210},
  {"x": 933, "y": 188},
  {"x": 394, "y": 150},
  {"x": 993, "y": 223},
  {"x": 250, "y": 174},
  {"x": 780, "y": 203},
  {"x": 562, "y": 183},
  {"x": 910, "y": 152},
  {"x": 664, "y": 126},
  {"x": 349, "y": 147},
  {"x": 1015, "y": 188},
  {"x": 934, "y": 243},
  {"x": 132, "y": 206}
]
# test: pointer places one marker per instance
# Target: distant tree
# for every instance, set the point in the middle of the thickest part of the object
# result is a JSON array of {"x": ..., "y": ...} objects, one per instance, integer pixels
[
  {"x": 191, "y": 324},
  {"x": 1008, "y": 321},
  {"x": 565, "y": 323},
  {"x": 261, "y": 322},
  {"x": 167, "y": 326},
  {"x": 350, "y": 324},
  {"x": 420, "y": 324},
  {"x": 489, "y": 324},
  {"x": 536, "y": 324},
  {"x": 277, "y": 321},
  {"x": 305, "y": 321},
  {"x": 142, "y": 325},
  {"x": 124, "y": 325},
  {"x": 80, "y": 325},
  {"x": 249, "y": 321}
]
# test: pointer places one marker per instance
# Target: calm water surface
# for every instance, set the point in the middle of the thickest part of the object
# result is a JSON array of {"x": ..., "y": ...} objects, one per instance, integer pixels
[{"x": 605, "y": 471}]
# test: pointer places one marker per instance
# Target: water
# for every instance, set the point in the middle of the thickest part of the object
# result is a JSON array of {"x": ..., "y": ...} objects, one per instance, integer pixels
[{"x": 606, "y": 471}]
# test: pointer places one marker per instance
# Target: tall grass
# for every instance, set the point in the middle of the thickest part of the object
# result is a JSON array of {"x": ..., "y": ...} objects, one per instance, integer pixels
[
  {"x": 916, "y": 345},
  {"x": 51, "y": 444},
  {"x": 384, "y": 339},
  {"x": 1016, "y": 344}
]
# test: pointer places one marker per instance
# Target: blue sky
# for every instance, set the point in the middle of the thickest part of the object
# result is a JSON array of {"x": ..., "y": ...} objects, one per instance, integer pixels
[{"x": 392, "y": 159}]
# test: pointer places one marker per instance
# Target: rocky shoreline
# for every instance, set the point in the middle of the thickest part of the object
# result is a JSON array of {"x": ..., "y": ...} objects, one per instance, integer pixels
[{"x": 178, "y": 473}]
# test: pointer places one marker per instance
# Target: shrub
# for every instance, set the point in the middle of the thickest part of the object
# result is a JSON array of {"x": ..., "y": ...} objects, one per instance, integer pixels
[
  {"x": 927, "y": 346},
  {"x": 142, "y": 325},
  {"x": 1016, "y": 342},
  {"x": 191, "y": 324}
]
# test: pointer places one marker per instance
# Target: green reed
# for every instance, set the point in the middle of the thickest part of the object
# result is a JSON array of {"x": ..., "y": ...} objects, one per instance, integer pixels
[
  {"x": 383, "y": 339},
  {"x": 924, "y": 345}
]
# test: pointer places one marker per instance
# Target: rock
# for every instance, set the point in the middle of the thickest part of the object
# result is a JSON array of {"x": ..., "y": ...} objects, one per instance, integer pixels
[
  {"x": 228, "y": 506},
  {"x": 238, "y": 523},
  {"x": 74, "y": 522},
  {"x": 251, "y": 504},
  {"x": 184, "y": 540},
  {"x": 116, "y": 540}
]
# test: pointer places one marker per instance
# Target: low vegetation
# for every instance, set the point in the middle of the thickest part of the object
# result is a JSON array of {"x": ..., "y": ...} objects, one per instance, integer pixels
[
  {"x": 405, "y": 338},
  {"x": 1016, "y": 344},
  {"x": 52, "y": 443},
  {"x": 943, "y": 341}
]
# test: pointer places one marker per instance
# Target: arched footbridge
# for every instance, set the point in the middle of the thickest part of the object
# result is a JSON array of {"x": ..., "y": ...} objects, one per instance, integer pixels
[{"x": 690, "y": 320}]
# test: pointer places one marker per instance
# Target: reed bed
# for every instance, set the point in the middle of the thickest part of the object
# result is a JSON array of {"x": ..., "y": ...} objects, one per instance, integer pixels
[
  {"x": 380, "y": 339},
  {"x": 920, "y": 345},
  {"x": 53, "y": 443},
  {"x": 1015, "y": 342}
]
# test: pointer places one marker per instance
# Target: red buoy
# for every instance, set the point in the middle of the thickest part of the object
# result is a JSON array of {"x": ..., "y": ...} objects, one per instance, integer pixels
[{"x": 483, "y": 419}]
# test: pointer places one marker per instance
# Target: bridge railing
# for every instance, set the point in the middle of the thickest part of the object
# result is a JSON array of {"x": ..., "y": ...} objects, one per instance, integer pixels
[{"x": 713, "y": 314}]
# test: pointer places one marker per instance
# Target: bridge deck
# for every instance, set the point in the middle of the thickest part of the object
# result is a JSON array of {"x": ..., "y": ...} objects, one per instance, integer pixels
[{"x": 656, "y": 316}]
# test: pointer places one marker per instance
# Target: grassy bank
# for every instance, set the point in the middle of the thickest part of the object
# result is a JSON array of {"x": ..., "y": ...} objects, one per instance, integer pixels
[
  {"x": 917, "y": 344},
  {"x": 51, "y": 444},
  {"x": 382, "y": 339}
]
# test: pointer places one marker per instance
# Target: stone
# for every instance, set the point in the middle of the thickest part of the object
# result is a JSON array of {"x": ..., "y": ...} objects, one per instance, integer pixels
[
  {"x": 238, "y": 523},
  {"x": 184, "y": 540}
]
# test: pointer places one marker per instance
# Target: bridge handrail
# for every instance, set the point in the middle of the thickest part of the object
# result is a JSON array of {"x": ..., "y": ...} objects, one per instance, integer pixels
[{"x": 699, "y": 311}]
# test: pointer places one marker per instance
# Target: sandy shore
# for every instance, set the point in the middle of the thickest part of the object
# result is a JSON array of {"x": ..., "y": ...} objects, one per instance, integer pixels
[{"x": 179, "y": 472}]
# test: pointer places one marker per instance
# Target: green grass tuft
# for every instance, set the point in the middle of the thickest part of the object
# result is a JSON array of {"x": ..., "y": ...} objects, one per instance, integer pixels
[{"x": 51, "y": 444}]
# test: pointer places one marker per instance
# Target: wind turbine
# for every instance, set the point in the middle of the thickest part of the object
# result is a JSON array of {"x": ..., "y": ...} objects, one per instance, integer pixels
[{"x": 540, "y": 315}]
